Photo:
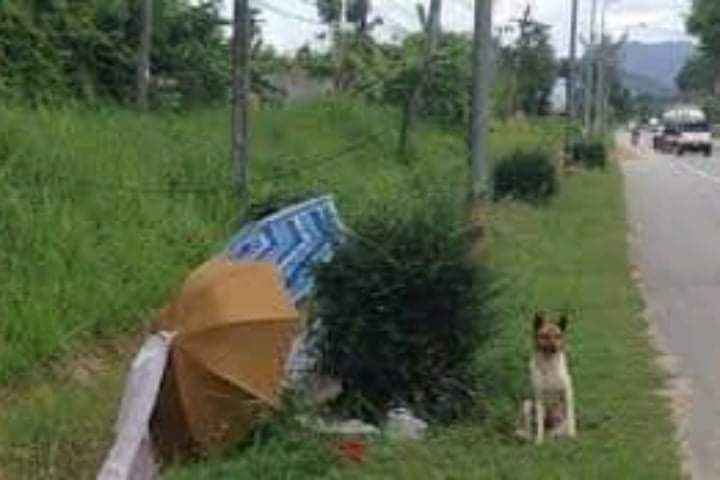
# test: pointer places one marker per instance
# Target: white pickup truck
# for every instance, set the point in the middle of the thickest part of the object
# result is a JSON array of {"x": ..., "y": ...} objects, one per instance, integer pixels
[{"x": 686, "y": 130}]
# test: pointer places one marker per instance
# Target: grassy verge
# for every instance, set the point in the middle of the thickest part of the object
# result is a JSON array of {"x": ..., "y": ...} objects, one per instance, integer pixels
[
  {"x": 117, "y": 253},
  {"x": 571, "y": 255},
  {"x": 105, "y": 211}
]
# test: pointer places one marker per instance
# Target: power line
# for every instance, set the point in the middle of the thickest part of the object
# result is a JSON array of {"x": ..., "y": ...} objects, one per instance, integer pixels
[
  {"x": 301, "y": 18},
  {"x": 287, "y": 14}
]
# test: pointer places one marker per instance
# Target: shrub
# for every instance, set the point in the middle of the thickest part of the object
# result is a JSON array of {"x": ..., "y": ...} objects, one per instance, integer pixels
[
  {"x": 589, "y": 153},
  {"x": 402, "y": 313},
  {"x": 528, "y": 176}
]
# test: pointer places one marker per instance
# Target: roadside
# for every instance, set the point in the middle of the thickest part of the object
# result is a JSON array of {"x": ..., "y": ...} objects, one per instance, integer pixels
[
  {"x": 571, "y": 256},
  {"x": 60, "y": 388}
]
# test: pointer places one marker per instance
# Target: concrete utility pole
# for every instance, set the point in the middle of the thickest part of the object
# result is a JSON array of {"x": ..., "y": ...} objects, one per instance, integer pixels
[
  {"x": 572, "y": 63},
  {"x": 240, "y": 93},
  {"x": 482, "y": 80},
  {"x": 590, "y": 73},
  {"x": 339, "y": 45},
  {"x": 143, "y": 64},
  {"x": 600, "y": 88},
  {"x": 432, "y": 29},
  {"x": 434, "y": 22}
]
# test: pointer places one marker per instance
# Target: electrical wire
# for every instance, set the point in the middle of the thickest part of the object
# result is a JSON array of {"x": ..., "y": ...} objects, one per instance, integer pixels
[
  {"x": 287, "y": 14},
  {"x": 303, "y": 165}
]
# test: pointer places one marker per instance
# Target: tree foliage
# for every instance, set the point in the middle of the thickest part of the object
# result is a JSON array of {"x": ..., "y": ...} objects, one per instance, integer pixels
[
  {"x": 704, "y": 21},
  {"x": 532, "y": 59},
  {"x": 358, "y": 12},
  {"x": 86, "y": 50},
  {"x": 697, "y": 76}
]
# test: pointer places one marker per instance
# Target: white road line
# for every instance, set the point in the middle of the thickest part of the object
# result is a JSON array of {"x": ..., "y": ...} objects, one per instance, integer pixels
[{"x": 697, "y": 171}]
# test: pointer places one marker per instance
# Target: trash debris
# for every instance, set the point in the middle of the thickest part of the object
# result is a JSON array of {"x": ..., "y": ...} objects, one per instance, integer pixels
[
  {"x": 234, "y": 323},
  {"x": 338, "y": 427},
  {"x": 132, "y": 456},
  {"x": 352, "y": 451},
  {"x": 295, "y": 239},
  {"x": 323, "y": 390},
  {"x": 237, "y": 342},
  {"x": 403, "y": 425}
]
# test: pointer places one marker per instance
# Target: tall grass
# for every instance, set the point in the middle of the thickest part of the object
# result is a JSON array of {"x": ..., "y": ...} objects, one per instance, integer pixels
[
  {"x": 569, "y": 256},
  {"x": 104, "y": 211}
]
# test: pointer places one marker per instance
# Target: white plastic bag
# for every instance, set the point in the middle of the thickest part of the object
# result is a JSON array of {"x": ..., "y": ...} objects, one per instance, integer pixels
[{"x": 403, "y": 425}]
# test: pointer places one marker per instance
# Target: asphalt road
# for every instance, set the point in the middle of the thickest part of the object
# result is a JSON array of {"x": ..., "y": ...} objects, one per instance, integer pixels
[{"x": 674, "y": 214}]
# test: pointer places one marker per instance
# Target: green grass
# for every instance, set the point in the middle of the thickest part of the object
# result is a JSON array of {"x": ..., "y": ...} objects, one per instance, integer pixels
[
  {"x": 104, "y": 212},
  {"x": 82, "y": 258},
  {"x": 570, "y": 255}
]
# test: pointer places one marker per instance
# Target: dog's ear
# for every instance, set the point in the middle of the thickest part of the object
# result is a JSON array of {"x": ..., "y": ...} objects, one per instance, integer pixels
[
  {"x": 538, "y": 321},
  {"x": 563, "y": 322}
]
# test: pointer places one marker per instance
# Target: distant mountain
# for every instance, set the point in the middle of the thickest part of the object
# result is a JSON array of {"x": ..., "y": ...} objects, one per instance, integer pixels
[
  {"x": 652, "y": 67},
  {"x": 644, "y": 85}
]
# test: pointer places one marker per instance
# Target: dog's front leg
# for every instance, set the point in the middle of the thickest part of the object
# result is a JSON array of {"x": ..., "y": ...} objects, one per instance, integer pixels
[
  {"x": 540, "y": 421},
  {"x": 570, "y": 413}
]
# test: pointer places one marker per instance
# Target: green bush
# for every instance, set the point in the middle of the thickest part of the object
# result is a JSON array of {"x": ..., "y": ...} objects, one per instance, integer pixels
[
  {"x": 528, "y": 176},
  {"x": 403, "y": 314},
  {"x": 589, "y": 153}
]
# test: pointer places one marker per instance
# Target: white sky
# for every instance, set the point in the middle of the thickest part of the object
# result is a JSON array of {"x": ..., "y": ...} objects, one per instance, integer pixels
[{"x": 644, "y": 20}]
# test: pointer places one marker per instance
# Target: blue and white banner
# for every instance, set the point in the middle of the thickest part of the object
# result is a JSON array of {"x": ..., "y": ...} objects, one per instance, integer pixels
[{"x": 295, "y": 239}]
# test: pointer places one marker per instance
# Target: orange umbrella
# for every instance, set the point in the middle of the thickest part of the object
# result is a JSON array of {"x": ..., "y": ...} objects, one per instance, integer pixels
[{"x": 234, "y": 325}]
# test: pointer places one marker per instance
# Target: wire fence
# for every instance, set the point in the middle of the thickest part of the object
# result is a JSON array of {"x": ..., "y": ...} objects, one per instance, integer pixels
[{"x": 309, "y": 165}]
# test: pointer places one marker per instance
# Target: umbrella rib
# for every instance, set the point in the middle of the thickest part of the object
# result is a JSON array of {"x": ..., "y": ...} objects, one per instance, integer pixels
[
  {"x": 234, "y": 323},
  {"x": 241, "y": 383}
]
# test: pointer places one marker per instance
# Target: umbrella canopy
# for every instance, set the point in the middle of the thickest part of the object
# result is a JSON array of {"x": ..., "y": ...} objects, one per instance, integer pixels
[{"x": 234, "y": 325}]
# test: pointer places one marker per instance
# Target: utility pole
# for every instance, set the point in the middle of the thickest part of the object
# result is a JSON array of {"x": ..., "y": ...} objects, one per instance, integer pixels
[
  {"x": 590, "y": 73},
  {"x": 240, "y": 93},
  {"x": 482, "y": 79},
  {"x": 432, "y": 33},
  {"x": 339, "y": 45},
  {"x": 600, "y": 88},
  {"x": 572, "y": 63},
  {"x": 434, "y": 22},
  {"x": 143, "y": 64}
]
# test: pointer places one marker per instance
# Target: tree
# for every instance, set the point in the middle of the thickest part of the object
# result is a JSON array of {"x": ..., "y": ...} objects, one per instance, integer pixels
[
  {"x": 704, "y": 21},
  {"x": 329, "y": 10},
  {"x": 358, "y": 12},
  {"x": 698, "y": 82},
  {"x": 85, "y": 50},
  {"x": 698, "y": 74},
  {"x": 531, "y": 61}
]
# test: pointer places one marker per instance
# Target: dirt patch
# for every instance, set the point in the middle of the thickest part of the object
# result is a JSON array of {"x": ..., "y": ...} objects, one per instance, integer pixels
[{"x": 81, "y": 367}]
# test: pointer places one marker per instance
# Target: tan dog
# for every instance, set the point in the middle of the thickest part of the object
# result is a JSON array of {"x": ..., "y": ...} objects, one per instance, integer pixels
[{"x": 552, "y": 409}]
